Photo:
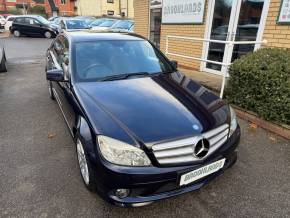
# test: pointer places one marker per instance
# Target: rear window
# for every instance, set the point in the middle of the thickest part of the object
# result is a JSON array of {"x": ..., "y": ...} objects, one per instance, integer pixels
[{"x": 11, "y": 19}]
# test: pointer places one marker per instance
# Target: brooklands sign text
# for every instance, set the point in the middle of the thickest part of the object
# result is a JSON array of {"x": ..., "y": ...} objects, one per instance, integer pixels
[{"x": 183, "y": 11}]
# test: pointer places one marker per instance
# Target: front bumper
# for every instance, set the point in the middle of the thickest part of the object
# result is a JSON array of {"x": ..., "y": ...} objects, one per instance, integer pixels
[{"x": 149, "y": 184}]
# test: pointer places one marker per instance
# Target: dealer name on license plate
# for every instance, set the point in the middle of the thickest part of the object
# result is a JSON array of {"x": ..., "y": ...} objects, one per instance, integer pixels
[{"x": 201, "y": 172}]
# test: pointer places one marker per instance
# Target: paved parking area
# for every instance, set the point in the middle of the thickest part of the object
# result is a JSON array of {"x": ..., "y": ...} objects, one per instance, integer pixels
[{"x": 39, "y": 175}]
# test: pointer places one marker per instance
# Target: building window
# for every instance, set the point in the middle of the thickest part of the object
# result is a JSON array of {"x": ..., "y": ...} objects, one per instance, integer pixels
[
  {"x": 110, "y": 12},
  {"x": 62, "y": 1},
  {"x": 110, "y": 1}
]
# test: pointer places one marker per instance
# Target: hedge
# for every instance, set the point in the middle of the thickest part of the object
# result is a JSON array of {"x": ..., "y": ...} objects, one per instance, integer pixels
[
  {"x": 260, "y": 82},
  {"x": 38, "y": 9}
]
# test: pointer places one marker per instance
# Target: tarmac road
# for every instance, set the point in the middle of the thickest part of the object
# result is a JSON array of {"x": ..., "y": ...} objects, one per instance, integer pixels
[{"x": 39, "y": 175}]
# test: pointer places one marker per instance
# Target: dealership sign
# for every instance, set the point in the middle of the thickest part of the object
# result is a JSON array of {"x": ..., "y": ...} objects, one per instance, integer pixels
[{"x": 183, "y": 11}]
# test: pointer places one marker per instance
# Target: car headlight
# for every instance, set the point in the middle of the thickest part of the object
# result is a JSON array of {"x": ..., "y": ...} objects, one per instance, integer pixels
[
  {"x": 234, "y": 122},
  {"x": 121, "y": 153}
]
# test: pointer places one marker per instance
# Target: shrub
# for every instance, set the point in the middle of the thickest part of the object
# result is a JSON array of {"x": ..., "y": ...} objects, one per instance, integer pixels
[
  {"x": 38, "y": 9},
  {"x": 14, "y": 10},
  {"x": 260, "y": 82}
]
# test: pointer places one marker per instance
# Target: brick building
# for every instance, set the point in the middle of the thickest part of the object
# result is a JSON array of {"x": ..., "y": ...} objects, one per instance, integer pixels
[
  {"x": 222, "y": 20},
  {"x": 105, "y": 7},
  {"x": 60, "y": 7}
]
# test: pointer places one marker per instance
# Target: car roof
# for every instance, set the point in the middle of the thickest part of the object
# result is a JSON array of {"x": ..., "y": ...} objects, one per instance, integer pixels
[
  {"x": 91, "y": 35},
  {"x": 13, "y": 16},
  {"x": 29, "y": 16},
  {"x": 68, "y": 19}
]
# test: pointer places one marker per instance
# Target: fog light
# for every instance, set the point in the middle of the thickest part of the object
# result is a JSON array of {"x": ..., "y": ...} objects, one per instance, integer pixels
[{"x": 122, "y": 193}]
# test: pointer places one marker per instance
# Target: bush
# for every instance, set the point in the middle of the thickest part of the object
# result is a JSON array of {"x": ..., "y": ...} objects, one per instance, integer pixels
[
  {"x": 260, "y": 82},
  {"x": 14, "y": 10},
  {"x": 38, "y": 9}
]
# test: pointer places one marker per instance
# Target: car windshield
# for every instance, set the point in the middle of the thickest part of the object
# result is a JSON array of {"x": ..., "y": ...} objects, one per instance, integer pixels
[
  {"x": 43, "y": 20},
  {"x": 87, "y": 20},
  {"x": 95, "y": 61},
  {"x": 76, "y": 24},
  {"x": 108, "y": 23},
  {"x": 123, "y": 25},
  {"x": 56, "y": 20},
  {"x": 97, "y": 22}
]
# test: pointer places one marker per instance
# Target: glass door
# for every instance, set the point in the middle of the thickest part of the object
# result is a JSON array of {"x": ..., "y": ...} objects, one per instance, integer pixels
[
  {"x": 237, "y": 20},
  {"x": 155, "y": 25},
  {"x": 155, "y": 8},
  {"x": 221, "y": 26},
  {"x": 247, "y": 26}
]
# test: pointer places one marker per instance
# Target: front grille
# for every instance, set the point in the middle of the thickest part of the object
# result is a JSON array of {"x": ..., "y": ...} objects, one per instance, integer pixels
[{"x": 182, "y": 151}]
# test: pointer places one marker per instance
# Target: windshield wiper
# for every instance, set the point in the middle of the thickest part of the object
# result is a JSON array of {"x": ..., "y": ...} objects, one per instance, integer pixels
[{"x": 124, "y": 76}]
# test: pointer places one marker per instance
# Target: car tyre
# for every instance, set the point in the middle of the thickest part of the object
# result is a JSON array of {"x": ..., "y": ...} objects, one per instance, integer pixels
[
  {"x": 50, "y": 90},
  {"x": 47, "y": 35},
  {"x": 16, "y": 33},
  {"x": 86, "y": 170}
]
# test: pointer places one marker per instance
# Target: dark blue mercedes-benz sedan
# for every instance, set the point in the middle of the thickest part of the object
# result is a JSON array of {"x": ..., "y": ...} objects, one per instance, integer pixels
[{"x": 143, "y": 130}]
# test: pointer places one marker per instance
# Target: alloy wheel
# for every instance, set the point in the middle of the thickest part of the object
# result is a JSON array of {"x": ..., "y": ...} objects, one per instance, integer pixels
[
  {"x": 47, "y": 35},
  {"x": 83, "y": 162},
  {"x": 16, "y": 33}
]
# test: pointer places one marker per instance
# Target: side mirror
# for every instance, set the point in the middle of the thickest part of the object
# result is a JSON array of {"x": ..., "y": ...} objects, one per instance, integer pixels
[
  {"x": 174, "y": 64},
  {"x": 55, "y": 75}
]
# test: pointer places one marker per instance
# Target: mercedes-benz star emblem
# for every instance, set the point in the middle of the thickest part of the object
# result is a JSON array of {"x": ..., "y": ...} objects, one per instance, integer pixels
[{"x": 201, "y": 148}]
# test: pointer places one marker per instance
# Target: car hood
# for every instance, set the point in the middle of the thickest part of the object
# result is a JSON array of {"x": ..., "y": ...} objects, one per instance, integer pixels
[{"x": 153, "y": 109}]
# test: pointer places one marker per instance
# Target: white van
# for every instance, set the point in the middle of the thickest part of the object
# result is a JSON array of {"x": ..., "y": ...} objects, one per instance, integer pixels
[{"x": 9, "y": 21}]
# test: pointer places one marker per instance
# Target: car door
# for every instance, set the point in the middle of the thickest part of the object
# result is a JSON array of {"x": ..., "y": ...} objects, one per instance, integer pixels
[
  {"x": 60, "y": 59},
  {"x": 39, "y": 28},
  {"x": 19, "y": 24},
  {"x": 28, "y": 26},
  {"x": 35, "y": 27}
]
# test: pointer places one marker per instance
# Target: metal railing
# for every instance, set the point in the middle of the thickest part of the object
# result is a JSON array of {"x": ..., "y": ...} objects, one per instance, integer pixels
[{"x": 225, "y": 64}]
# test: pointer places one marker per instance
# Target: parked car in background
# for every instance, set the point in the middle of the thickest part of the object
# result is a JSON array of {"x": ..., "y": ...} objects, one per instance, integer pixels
[
  {"x": 2, "y": 23},
  {"x": 73, "y": 24},
  {"x": 123, "y": 25},
  {"x": 88, "y": 19},
  {"x": 51, "y": 19},
  {"x": 32, "y": 25},
  {"x": 143, "y": 131},
  {"x": 6, "y": 15},
  {"x": 98, "y": 22},
  {"x": 9, "y": 21},
  {"x": 55, "y": 23},
  {"x": 106, "y": 25}
]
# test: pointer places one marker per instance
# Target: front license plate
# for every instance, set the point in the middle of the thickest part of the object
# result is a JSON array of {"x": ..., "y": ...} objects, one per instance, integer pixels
[{"x": 201, "y": 172}]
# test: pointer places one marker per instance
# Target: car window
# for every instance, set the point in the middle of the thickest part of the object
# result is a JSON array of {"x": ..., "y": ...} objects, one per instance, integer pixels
[
  {"x": 30, "y": 21},
  {"x": 11, "y": 19},
  {"x": 20, "y": 20},
  {"x": 42, "y": 20},
  {"x": 76, "y": 24},
  {"x": 36, "y": 22},
  {"x": 64, "y": 58},
  {"x": 97, "y": 22},
  {"x": 57, "y": 50},
  {"x": 126, "y": 25},
  {"x": 107, "y": 23},
  {"x": 110, "y": 58}
]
